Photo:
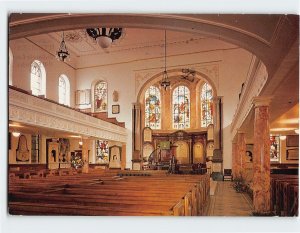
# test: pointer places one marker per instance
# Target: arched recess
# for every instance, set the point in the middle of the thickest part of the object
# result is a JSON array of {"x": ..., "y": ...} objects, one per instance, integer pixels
[
  {"x": 172, "y": 73},
  {"x": 64, "y": 90},
  {"x": 174, "y": 76},
  {"x": 182, "y": 152},
  {"x": 10, "y": 67},
  {"x": 198, "y": 152}
]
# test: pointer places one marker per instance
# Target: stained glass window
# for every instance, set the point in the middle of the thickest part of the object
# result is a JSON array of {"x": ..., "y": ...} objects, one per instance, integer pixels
[
  {"x": 36, "y": 78},
  {"x": 102, "y": 151},
  {"x": 152, "y": 108},
  {"x": 274, "y": 148},
  {"x": 100, "y": 97},
  {"x": 181, "y": 107},
  {"x": 206, "y": 105}
]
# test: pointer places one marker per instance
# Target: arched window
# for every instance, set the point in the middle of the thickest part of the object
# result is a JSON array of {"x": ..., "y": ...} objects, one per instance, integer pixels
[
  {"x": 102, "y": 151},
  {"x": 100, "y": 97},
  {"x": 38, "y": 78},
  {"x": 206, "y": 105},
  {"x": 181, "y": 107},
  {"x": 64, "y": 90},
  {"x": 152, "y": 108}
]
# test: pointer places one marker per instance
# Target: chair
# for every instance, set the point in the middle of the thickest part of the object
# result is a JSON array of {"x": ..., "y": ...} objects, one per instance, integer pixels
[{"x": 227, "y": 175}]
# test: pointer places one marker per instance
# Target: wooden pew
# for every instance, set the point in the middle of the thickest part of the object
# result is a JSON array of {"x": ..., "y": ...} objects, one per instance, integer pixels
[
  {"x": 178, "y": 195},
  {"x": 283, "y": 195}
]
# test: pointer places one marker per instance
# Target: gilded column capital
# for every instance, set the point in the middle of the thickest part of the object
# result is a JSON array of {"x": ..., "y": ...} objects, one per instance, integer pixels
[{"x": 260, "y": 101}]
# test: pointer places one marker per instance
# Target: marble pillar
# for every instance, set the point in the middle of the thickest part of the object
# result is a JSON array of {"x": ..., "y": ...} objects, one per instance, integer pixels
[
  {"x": 234, "y": 157},
  {"x": 241, "y": 154},
  {"x": 136, "y": 133},
  {"x": 261, "y": 156},
  {"x": 85, "y": 155}
]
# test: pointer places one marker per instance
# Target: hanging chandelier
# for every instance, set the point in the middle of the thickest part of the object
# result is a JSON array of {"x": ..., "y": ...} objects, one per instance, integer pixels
[
  {"x": 62, "y": 53},
  {"x": 165, "y": 83},
  {"x": 104, "y": 36}
]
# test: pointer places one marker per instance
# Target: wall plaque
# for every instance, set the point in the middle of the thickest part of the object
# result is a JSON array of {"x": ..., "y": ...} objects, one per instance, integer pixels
[{"x": 147, "y": 132}]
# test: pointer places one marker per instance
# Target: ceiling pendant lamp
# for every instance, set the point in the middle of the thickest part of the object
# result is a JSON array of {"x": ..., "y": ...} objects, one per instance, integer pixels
[
  {"x": 165, "y": 83},
  {"x": 104, "y": 36},
  {"x": 63, "y": 52}
]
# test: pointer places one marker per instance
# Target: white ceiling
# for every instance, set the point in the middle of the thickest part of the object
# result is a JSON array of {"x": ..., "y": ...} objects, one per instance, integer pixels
[{"x": 135, "y": 44}]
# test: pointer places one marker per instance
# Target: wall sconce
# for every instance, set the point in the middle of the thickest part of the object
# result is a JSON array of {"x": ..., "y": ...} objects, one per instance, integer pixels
[
  {"x": 16, "y": 134},
  {"x": 297, "y": 131},
  {"x": 80, "y": 143}
]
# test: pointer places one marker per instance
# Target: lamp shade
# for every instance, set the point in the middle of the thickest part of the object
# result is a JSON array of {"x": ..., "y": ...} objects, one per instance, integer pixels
[
  {"x": 16, "y": 134},
  {"x": 104, "y": 41}
]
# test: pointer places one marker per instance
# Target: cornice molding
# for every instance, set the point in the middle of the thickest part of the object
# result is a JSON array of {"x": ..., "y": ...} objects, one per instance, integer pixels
[
  {"x": 182, "y": 17},
  {"x": 31, "y": 110}
]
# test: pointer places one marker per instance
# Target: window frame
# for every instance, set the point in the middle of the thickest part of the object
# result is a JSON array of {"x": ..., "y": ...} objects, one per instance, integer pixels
[
  {"x": 148, "y": 124},
  {"x": 189, "y": 107}
]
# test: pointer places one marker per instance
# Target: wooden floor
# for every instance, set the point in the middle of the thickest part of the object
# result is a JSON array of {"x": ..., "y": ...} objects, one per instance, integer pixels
[{"x": 227, "y": 202}]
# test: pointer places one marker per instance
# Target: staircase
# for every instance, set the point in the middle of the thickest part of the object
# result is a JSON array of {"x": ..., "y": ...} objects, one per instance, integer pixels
[{"x": 104, "y": 116}]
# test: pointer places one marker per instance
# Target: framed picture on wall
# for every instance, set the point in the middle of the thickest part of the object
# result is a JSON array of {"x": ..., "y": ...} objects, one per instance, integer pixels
[
  {"x": 292, "y": 140},
  {"x": 292, "y": 154},
  {"x": 115, "y": 109}
]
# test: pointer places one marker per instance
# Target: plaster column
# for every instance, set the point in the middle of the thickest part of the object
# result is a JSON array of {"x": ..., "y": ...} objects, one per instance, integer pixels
[
  {"x": 234, "y": 158},
  {"x": 123, "y": 157},
  {"x": 216, "y": 122},
  {"x": 85, "y": 155},
  {"x": 241, "y": 153},
  {"x": 261, "y": 155}
]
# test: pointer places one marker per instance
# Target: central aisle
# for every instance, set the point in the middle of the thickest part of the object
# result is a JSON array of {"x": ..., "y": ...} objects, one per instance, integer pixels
[{"x": 227, "y": 202}]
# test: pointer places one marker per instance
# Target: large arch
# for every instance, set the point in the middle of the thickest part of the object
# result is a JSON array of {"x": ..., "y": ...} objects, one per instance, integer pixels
[
  {"x": 261, "y": 39},
  {"x": 172, "y": 73}
]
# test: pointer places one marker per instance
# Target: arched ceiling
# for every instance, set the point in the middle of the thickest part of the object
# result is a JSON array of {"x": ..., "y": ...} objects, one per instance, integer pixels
[{"x": 262, "y": 35}]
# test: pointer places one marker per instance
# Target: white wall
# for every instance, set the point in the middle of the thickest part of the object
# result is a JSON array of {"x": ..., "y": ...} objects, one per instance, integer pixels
[
  {"x": 233, "y": 72},
  {"x": 118, "y": 78},
  {"x": 24, "y": 53},
  {"x": 283, "y": 155},
  {"x": 232, "y": 65}
]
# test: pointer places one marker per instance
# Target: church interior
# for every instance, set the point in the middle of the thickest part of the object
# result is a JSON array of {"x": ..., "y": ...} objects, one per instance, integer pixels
[{"x": 153, "y": 114}]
